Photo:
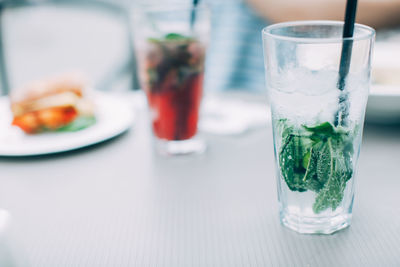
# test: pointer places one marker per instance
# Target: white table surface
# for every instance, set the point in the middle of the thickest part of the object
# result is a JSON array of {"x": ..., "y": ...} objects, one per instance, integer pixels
[{"x": 119, "y": 204}]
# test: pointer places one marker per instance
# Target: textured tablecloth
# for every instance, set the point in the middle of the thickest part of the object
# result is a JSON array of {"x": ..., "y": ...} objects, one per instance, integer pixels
[{"x": 119, "y": 204}]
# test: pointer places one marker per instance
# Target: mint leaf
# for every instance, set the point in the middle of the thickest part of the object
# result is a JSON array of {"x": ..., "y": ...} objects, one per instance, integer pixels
[
  {"x": 323, "y": 161},
  {"x": 331, "y": 195},
  {"x": 290, "y": 158},
  {"x": 340, "y": 171},
  {"x": 295, "y": 148},
  {"x": 175, "y": 36},
  {"x": 317, "y": 158},
  {"x": 322, "y": 129},
  {"x": 170, "y": 37},
  {"x": 310, "y": 177}
]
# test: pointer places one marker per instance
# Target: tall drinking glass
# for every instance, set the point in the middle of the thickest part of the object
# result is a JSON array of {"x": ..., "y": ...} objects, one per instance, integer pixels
[
  {"x": 317, "y": 123},
  {"x": 171, "y": 46}
]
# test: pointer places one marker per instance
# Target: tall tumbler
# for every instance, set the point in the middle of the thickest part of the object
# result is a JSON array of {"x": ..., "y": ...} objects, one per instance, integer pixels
[
  {"x": 317, "y": 121},
  {"x": 171, "y": 42}
]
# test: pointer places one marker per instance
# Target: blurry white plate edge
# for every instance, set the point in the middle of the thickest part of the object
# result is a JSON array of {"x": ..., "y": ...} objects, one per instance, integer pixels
[
  {"x": 114, "y": 116},
  {"x": 383, "y": 104}
]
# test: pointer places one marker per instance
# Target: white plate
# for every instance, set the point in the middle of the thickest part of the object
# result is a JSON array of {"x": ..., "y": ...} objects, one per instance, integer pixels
[
  {"x": 384, "y": 104},
  {"x": 114, "y": 116},
  {"x": 384, "y": 99},
  {"x": 222, "y": 115}
]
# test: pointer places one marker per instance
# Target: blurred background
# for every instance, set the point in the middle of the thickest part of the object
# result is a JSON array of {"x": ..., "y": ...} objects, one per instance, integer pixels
[
  {"x": 43, "y": 37},
  {"x": 40, "y": 38}
]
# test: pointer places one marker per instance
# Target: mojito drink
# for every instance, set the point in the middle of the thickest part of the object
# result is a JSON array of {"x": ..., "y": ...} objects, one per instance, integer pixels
[
  {"x": 172, "y": 77},
  {"x": 318, "y": 116},
  {"x": 316, "y": 158}
]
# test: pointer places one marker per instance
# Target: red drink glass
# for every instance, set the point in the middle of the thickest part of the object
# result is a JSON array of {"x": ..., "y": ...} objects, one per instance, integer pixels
[{"x": 171, "y": 46}]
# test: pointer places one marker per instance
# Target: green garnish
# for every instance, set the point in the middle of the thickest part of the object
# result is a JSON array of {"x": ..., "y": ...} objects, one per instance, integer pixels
[
  {"x": 317, "y": 158},
  {"x": 80, "y": 123},
  {"x": 173, "y": 37}
]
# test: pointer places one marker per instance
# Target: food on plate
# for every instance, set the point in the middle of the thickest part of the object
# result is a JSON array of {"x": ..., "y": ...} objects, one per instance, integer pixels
[{"x": 56, "y": 104}]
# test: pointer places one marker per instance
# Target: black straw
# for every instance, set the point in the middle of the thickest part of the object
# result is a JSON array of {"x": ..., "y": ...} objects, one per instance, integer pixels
[
  {"x": 348, "y": 30},
  {"x": 193, "y": 14}
]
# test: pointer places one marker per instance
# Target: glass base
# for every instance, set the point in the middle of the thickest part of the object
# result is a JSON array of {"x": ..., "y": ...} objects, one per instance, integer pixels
[
  {"x": 316, "y": 225},
  {"x": 181, "y": 147}
]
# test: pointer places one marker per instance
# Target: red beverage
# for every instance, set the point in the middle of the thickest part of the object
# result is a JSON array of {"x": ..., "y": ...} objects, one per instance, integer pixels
[{"x": 172, "y": 77}]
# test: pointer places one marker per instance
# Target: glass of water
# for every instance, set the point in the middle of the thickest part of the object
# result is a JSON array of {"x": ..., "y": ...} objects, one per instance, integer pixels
[{"x": 317, "y": 121}]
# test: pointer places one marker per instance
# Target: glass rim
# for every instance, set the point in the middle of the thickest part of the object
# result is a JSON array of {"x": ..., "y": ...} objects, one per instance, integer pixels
[{"x": 266, "y": 32}]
